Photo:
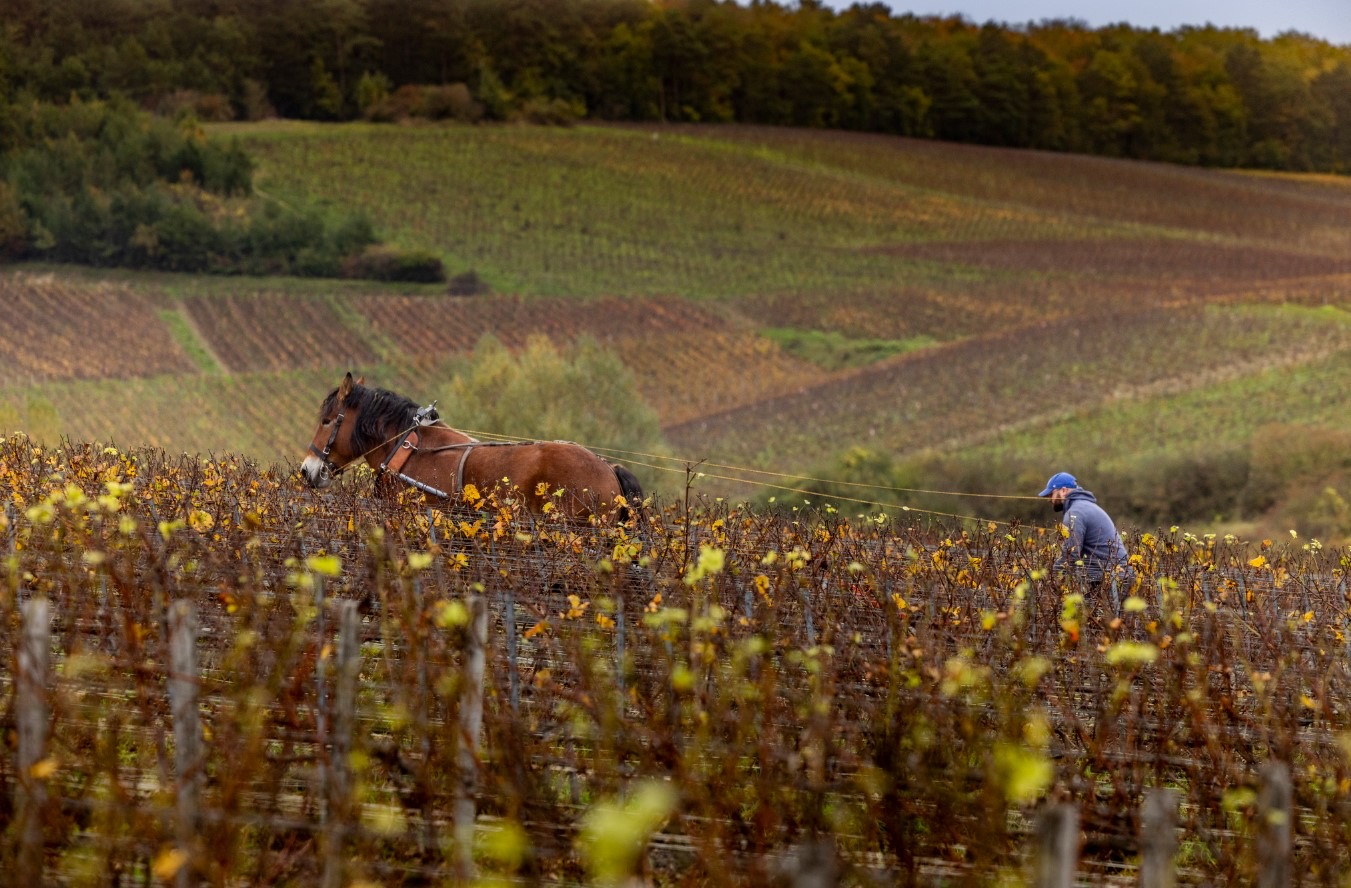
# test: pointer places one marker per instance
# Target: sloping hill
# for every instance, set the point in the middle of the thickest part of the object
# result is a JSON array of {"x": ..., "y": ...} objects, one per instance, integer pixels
[
  {"x": 1057, "y": 288},
  {"x": 977, "y": 390}
]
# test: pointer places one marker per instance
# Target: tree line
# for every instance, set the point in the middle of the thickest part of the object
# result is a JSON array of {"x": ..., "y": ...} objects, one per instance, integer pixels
[{"x": 1197, "y": 95}]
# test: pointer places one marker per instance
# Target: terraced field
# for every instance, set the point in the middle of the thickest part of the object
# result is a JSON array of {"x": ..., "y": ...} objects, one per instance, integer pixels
[
  {"x": 54, "y": 329},
  {"x": 1030, "y": 380},
  {"x": 1077, "y": 304},
  {"x": 275, "y": 331}
]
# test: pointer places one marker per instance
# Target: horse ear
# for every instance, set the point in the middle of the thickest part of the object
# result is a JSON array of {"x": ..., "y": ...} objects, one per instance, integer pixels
[
  {"x": 345, "y": 388},
  {"x": 361, "y": 380}
]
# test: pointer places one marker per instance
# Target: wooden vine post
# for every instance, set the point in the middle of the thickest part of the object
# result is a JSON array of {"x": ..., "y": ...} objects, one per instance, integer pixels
[
  {"x": 1057, "y": 847},
  {"x": 471, "y": 723},
  {"x": 1158, "y": 838},
  {"x": 1275, "y": 812},
  {"x": 32, "y": 717},
  {"x": 183, "y": 694},
  {"x": 339, "y": 774}
]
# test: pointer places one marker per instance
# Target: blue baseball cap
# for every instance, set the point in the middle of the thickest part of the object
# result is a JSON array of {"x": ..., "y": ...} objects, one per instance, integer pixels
[{"x": 1059, "y": 480}]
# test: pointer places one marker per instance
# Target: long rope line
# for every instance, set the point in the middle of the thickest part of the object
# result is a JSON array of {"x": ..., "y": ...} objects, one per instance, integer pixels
[
  {"x": 767, "y": 473},
  {"x": 850, "y": 499},
  {"x": 689, "y": 465}
]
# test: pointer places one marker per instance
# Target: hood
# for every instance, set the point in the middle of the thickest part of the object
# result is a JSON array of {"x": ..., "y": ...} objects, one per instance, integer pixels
[{"x": 1078, "y": 495}]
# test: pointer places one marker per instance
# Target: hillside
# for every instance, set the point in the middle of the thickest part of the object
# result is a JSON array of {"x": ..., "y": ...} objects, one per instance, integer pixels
[{"x": 1080, "y": 311}]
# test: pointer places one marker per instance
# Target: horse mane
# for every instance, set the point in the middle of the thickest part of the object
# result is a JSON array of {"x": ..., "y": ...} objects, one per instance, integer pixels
[{"x": 381, "y": 413}]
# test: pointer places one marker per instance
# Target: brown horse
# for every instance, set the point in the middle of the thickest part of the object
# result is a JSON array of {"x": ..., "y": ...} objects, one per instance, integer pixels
[{"x": 397, "y": 438}]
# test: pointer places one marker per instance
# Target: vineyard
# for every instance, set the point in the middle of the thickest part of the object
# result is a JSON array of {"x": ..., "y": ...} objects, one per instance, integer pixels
[
  {"x": 265, "y": 412},
  {"x": 271, "y": 332},
  {"x": 54, "y": 330},
  {"x": 1112, "y": 196},
  {"x": 214, "y": 676},
  {"x": 741, "y": 212},
  {"x": 1083, "y": 371},
  {"x": 1069, "y": 307},
  {"x": 436, "y": 325}
]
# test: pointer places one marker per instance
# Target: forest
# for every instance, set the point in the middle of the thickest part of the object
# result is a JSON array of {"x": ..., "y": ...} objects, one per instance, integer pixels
[{"x": 1197, "y": 95}]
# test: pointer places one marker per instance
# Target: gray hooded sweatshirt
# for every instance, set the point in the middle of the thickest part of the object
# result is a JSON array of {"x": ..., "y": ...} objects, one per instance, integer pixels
[{"x": 1093, "y": 538}]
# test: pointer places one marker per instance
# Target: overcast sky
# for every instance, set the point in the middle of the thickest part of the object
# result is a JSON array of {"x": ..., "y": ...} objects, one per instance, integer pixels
[{"x": 1328, "y": 19}]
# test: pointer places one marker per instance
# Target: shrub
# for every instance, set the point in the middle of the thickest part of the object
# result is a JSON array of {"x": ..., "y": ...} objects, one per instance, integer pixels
[
  {"x": 103, "y": 183},
  {"x": 468, "y": 283},
  {"x": 186, "y": 239},
  {"x": 1287, "y": 456},
  {"x": 493, "y": 93},
  {"x": 1183, "y": 489},
  {"x": 1192, "y": 488},
  {"x": 402, "y": 104},
  {"x": 352, "y": 234},
  {"x": 449, "y": 102},
  {"x": 1327, "y": 515},
  {"x": 581, "y": 393},
  {"x": 210, "y": 107},
  {"x": 227, "y": 171},
  {"x": 315, "y": 261},
  {"x": 390, "y": 264},
  {"x": 551, "y": 112},
  {"x": 372, "y": 90}
]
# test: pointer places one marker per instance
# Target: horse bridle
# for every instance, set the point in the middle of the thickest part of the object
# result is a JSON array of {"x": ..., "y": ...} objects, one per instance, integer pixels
[
  {"x": 328, "y": 448},
  {"x": 424, "y": 416}
]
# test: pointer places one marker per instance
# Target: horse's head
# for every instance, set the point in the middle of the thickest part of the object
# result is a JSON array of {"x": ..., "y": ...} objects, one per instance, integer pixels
[{"x": 332, "y": 448}]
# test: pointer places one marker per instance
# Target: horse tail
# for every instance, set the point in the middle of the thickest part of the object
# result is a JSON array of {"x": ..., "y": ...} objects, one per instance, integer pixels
[{"x": 631, "y": 489}]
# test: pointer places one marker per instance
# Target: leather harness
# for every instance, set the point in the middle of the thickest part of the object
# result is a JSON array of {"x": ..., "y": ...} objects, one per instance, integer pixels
[{"x": 407, "y": 445}]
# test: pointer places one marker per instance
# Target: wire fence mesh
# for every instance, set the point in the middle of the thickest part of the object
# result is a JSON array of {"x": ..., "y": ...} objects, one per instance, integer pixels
[{"x": 907, "y": 697}]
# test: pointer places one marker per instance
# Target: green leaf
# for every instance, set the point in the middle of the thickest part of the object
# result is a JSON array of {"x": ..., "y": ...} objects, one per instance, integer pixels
[
  {"x": 1024, "y": 773},
  {"x": 1132, "y": 653},
  {"x": 613, "y": 834},
  {"x": 325, "y": 565}
]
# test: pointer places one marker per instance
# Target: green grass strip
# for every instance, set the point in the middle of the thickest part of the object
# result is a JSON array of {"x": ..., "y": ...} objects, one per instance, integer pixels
[
  {"x": 832, "y": 350},
  {"x": 186, "y": 336}
]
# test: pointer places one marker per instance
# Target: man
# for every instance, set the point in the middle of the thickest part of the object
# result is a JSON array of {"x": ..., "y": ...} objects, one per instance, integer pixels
[{"x": 1093, "y": 550}]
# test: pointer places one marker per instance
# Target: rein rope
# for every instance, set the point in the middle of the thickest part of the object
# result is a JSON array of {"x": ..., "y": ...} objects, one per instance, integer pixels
[{"x": 427, "y": 416}]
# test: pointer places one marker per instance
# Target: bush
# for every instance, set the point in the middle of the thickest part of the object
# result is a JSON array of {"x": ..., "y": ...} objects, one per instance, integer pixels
[
  {"x": 352, "y": 234},
  {"x": 927, "y": 484},
  {"x": 449, "y": 102},
  {"x": 390, "y": 264},
  {"x": 1199, "y": 487},
  {"x": 187, "y": 240},
  {"x": 1315, "y": 509},
  {"x": 581, "y": 393},
  {"x": 372, "y": 90},
  {"x": 227, "y": 171},
  {"x": 1151, "y": 492},
  {"x": 315, "y": 261},
  {"x": 1289, "y": 456},
  {"x": 551, "y": 112},
  {"x": 468, "y": 283},
  {"x": 209, "y": 107}
]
